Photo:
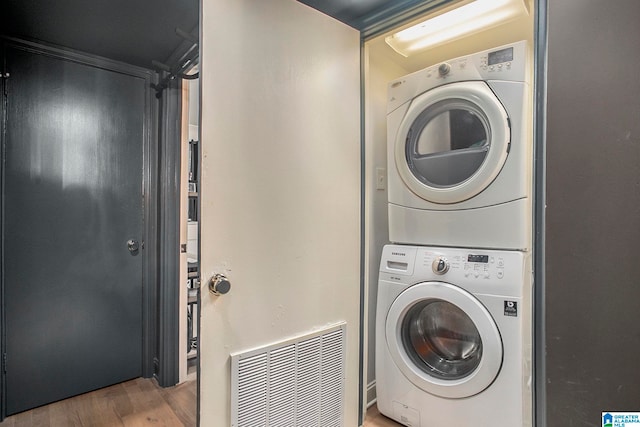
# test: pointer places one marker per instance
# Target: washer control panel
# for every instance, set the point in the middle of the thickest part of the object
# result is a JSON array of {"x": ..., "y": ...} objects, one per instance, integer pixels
[
  {"x": 471, "y": 265},
  {"x": 477, "y": 270}
]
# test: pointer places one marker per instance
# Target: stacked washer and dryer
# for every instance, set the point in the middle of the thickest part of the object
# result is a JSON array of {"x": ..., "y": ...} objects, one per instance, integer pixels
[{"x": 453, "y": 326}]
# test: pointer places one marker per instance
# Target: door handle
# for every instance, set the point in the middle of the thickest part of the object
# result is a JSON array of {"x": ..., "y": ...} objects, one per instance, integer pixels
[
  {"x": 219, "y": 284},
  {"x": 133, "y": 246}
]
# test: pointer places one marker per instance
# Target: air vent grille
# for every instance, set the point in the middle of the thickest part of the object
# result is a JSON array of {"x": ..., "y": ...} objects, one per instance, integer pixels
[{"x": 299, "y": 382}]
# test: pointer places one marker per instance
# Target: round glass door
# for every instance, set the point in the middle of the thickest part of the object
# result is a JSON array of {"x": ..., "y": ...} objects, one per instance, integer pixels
[
  {"x": 452, "y": 142},
  {"x": 443, "y": 340},
  {"x": 447, "y": 143}
]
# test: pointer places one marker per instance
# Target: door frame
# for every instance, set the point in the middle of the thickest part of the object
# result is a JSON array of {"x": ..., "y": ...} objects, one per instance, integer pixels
[
  {"x": 540, "y": 40},
  {"x": 150, "y": 174},
  {"x": 168, "y": 159}
]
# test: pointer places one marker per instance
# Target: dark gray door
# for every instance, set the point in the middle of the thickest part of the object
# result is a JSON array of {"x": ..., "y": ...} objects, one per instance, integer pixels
[
  {"x": 592, "y": 212},
  {"x": 73, "y": 184}
]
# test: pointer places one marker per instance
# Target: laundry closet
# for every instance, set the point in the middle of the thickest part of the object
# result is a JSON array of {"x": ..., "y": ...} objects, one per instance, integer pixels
[{"x": 386, "y": 69}]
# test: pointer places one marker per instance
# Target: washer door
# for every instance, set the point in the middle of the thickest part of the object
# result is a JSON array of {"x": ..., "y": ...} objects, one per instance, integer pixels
[
  {"x": 453, "y": 142},
  {"x": 444, "y": 340}
]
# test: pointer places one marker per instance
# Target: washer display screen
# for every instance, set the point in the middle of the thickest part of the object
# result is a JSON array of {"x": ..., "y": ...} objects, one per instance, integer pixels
[{"x": 478, "y": 258}]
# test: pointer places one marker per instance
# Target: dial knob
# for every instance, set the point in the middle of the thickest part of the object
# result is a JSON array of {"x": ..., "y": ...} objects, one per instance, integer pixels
[
  {"x": 440, "y": 265},
  {"x": 444, "y": 69}
]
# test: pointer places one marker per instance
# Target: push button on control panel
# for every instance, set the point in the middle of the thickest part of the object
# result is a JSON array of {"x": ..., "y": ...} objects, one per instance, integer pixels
[
  {"x": 477, "y": 267},
  {"x": 483, "y": 267}
]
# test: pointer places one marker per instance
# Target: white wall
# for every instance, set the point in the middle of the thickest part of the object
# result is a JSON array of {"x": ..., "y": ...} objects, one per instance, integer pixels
[{"x": 280, "y": 187}]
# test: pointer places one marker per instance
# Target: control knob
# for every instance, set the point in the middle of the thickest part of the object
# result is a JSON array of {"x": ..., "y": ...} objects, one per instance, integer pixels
[
  {"x": 440, "y": 265},
  {"x": 444, "y": 69}
]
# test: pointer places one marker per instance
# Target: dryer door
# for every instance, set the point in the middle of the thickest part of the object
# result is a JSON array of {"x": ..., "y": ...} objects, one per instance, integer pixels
[
  {"x": 444, "y": 340},
  {"x": 453, "y": 142}
]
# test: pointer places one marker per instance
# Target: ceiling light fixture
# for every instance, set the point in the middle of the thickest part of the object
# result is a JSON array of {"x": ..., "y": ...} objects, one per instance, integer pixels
[{"x": 471, "y": 17}]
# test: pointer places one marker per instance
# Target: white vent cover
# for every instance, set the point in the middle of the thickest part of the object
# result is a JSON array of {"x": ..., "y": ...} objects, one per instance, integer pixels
[{"x": 295, "y": 383}]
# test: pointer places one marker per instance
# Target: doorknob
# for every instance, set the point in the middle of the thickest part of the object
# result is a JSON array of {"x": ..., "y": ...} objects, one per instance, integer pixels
[
  {"x": 219, "y": 284},
  {"x": 133, "y": 246}
]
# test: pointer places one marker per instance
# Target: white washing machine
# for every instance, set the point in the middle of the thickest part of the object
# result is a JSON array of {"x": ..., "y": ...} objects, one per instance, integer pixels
[
  {"x": 459, "y": 152},
  {"x": 453, "y": 337}
]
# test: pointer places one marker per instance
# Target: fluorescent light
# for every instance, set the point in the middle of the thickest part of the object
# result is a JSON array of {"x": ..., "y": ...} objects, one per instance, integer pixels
[{"x": 471, "y": 17}]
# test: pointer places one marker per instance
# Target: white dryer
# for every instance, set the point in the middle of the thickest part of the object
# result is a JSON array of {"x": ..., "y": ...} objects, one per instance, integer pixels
[
  {"x": 453, "y": 337},
  {"x": 459, "y": 152}
]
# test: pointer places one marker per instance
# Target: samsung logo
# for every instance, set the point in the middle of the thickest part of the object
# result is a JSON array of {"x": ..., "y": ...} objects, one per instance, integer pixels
[{"x": 398, "y": 254}]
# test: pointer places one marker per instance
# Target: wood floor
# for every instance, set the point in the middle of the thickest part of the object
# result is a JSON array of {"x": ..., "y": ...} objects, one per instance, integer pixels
[
  {"x": 375, "y": 419},
  {"x": 140, "y": 402}
]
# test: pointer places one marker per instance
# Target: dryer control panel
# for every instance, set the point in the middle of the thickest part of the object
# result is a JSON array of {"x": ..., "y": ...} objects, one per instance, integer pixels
[{"x": 507, "y": 62}]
